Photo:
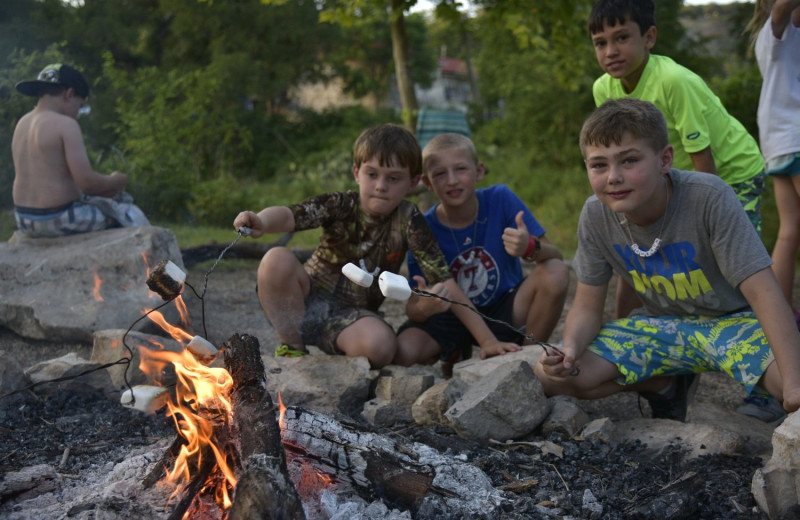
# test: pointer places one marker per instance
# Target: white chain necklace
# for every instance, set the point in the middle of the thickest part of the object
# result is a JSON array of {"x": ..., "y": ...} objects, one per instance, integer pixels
[
  {"x": 471, "y": 257},
  {"x": 657, "y": 242}
]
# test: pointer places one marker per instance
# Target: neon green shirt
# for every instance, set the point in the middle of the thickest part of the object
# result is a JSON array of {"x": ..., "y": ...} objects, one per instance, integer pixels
[{"x": 695, "y": 118}]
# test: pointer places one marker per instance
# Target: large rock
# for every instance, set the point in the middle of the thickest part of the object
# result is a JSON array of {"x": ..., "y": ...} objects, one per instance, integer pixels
[
  {"x": 776, "y": 486},
  {"x": 506, "y": 404},
  {"x": 66, "y": 288}
]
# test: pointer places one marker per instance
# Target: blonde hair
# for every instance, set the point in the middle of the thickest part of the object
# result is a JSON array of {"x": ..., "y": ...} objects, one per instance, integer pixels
[
  {"x": 448, "y": 141},
  {"x": 761, "y": 12}
]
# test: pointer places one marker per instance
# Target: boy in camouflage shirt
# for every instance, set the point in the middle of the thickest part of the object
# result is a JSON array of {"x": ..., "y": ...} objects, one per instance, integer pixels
[{"x": 374, "y": 227}]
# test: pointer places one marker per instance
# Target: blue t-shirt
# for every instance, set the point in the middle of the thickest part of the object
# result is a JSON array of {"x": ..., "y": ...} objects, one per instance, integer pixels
[{"x": 475, "y": 254}]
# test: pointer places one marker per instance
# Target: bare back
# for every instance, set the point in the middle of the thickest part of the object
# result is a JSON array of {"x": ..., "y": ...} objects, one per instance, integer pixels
[{"x": 43, "y": 178}]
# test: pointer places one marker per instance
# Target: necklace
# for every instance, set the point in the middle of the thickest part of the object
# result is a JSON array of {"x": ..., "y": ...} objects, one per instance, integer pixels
[
  {"x": 657, "y": 242},
  {"x": 469, "y": 242}
]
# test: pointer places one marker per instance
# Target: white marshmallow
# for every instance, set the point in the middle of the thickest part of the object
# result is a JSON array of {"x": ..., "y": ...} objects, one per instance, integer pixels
[
  {"x": 394, "y": 286},
  {"x": 174, "y": 272},
  {"x": 357, "y": 275},
  {"x": 149, "y": 398},
  {"x": 202, "y": 349}
]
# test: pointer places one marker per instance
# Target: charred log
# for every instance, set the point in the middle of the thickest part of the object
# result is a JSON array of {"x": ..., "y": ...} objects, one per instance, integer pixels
[
  {"x": 264, "y": 489},
  {"x": 412, "y": 477}
]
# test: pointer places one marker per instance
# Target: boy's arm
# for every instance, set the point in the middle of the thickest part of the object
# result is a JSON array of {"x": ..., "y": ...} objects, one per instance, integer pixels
[
  {"x": 274, "y": 219},
  {"x": 420, "y": 308},
  {"x": 517, "y": 242},
  {"x": 703, "y": 161},
  {"x": 582, "y": 324},
  {"x": 87, "y": 180},
  {"x": 490, "y": 345},
  {"x": 764, "y": 295}
]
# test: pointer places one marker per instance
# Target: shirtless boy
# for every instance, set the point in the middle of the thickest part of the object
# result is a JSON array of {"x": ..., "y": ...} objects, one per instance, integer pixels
[{"x": 52, "y": 169}]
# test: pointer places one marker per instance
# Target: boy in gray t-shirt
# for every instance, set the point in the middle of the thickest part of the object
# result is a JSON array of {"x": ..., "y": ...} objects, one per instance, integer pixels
[{"x": 682, "y": 240}]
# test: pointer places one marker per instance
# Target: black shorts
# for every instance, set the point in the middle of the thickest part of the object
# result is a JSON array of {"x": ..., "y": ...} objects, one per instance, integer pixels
[{"x": 456, "y": 342}]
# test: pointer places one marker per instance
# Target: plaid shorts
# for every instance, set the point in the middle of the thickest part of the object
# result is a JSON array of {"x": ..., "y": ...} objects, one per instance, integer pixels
[
  {"x": 644, "y": 347},
  {"x": 75, "y": 217}
]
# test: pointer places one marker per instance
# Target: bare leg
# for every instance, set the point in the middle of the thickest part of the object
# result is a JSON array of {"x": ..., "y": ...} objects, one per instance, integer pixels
[
  {"x": 416, "y": 346},
  {"x": 370, "y": 337},
  {"x": 282, "y": 288},
  {"x": 784, "y": 255},
  {"x": 540, "y": 299}
]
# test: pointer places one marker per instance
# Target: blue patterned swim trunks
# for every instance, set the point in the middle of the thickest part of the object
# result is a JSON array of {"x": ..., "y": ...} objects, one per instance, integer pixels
[{"x": 644, "y": 347}]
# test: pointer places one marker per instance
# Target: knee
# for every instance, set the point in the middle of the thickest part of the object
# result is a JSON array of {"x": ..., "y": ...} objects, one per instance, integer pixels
[
  {"x": 279, "y": 263},
  {"x": 553, "y": 277}
]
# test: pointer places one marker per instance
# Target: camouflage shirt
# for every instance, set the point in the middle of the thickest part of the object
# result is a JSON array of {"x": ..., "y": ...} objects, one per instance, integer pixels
[{"x": 350, "y": 235}]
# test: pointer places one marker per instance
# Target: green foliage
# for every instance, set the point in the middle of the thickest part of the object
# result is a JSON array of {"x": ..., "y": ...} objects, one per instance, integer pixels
[{"x": 21, "y": 66}]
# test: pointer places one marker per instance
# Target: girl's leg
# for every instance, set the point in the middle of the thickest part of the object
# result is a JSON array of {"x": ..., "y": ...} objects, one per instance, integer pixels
[
  {"x": 784, "y": 255},
  {"x": 414, "y": 345},
  {"x": 282, "y": 288}
]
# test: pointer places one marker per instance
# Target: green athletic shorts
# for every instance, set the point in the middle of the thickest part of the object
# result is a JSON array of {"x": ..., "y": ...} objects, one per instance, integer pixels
[{"x": 643, "y": 347}]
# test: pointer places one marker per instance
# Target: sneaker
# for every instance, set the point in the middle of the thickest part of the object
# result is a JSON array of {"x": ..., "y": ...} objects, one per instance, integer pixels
[
  {"x": 289, "y": 351},
  {"x": 673, "y": 403},
  {"x": 763, "y": 407}
]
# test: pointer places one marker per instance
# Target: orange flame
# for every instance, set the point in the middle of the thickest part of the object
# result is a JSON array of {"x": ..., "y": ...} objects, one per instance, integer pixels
[
  {"x": 201, "y": 401},
  {"x": 281, "y": 413},
  {"x": 183, "y": 311},
  {"x": 177, "y": 333},
  {"x": 97, "y": 283}
]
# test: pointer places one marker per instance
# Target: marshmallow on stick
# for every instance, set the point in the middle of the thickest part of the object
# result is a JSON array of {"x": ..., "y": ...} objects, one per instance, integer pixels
[
  {"x": 166, "y": 280},
  {"x": 202, "y": 350},
  {"x": 394, "y": 286},
  {"x": 357, "y": 275},
  {"x": 149, "y": 398}
]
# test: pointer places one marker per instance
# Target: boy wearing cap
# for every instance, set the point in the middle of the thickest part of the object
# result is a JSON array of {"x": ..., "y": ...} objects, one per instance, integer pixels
[{"x": 52, "y": 169}]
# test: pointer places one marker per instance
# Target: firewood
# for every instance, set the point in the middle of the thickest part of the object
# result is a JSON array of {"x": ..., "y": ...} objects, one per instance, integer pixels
[{"x": 264, "y": 489}]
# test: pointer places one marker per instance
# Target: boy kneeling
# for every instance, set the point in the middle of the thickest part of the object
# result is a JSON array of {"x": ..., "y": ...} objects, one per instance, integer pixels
[{"x": 683, "y": 241}]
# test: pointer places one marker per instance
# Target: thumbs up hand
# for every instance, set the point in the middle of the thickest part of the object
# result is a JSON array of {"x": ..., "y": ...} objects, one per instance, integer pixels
[{"x": 515, "y": 241}]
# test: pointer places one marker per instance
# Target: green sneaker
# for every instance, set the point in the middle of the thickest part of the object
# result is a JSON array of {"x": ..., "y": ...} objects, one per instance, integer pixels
[{"x": 289, "y": 351}]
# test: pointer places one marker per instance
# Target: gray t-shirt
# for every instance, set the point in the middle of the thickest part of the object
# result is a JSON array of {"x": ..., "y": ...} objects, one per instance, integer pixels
[{"x": 708, "y": 248}]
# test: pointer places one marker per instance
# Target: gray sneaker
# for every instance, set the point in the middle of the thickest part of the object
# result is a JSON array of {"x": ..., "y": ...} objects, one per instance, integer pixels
[{"x": 763, "y": 407}]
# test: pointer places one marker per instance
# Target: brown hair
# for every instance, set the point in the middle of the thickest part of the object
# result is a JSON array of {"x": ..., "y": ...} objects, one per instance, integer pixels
[
  {"x": 609, "y": 123},
  {"x": 449, "y": 141},
  {"x": 392, "y": 145}
]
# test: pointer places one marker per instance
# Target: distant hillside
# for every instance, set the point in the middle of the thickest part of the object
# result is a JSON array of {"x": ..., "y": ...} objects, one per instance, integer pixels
[{"x": 717, "y": 29}]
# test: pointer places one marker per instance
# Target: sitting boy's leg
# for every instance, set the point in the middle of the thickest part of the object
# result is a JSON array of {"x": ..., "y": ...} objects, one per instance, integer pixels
[
  {"x": 415, "y": 346},
  {"x": 540, "y": 299},
  {"x": 282, "y": 288},
  {"x": 371, "y": 337}
]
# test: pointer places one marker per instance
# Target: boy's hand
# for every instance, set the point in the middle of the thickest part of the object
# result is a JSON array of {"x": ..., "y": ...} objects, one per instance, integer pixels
[
  {"x": 498, "y": 347},
  {"x": 250, "y": 220},
  {"x": 428, "y": 306},
  {"x": 516, "y": 240},
  {"x": 559, "y": 364}
]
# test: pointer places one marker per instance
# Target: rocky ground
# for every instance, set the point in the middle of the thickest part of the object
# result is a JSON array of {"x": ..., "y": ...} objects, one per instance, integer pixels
[{"x": 86, "y": 433}]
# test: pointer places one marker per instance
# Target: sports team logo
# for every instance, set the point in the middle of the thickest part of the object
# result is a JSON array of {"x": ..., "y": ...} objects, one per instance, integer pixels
[{"x": 476, "y": 273}]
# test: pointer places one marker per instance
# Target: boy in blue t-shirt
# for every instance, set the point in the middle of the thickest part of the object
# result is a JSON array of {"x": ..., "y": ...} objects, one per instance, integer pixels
[{"x": 483, "y": 234}]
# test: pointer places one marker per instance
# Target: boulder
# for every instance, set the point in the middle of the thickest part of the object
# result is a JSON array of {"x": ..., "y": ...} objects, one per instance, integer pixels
[
  {"x": 776, "y": 486},
  {"x": 508, "y": 403},
  {"x": 66, "y": 288}
]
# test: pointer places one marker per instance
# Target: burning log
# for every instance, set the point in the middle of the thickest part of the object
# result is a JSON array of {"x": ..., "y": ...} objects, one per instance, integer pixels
[{"x": 264, "y": 489}]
